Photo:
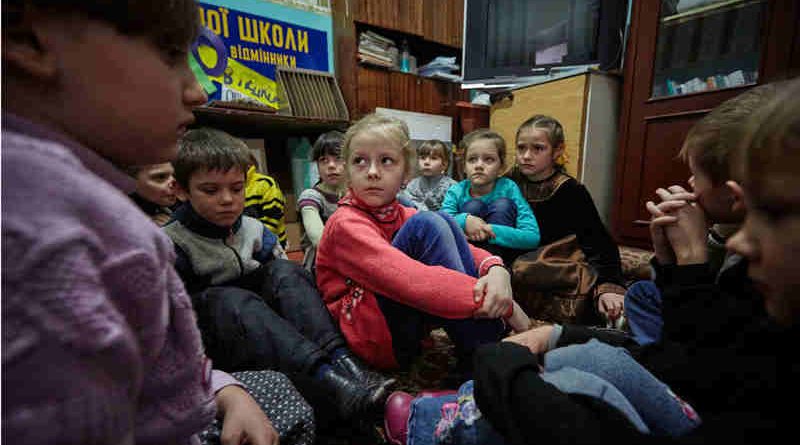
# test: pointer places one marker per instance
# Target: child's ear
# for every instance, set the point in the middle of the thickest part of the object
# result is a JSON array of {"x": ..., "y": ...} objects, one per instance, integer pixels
[
  {"x": 736, "y": 197},
  {"x": 26, "y": 44}
]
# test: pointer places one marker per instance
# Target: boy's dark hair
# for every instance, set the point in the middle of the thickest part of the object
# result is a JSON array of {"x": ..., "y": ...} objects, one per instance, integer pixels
[
  {"x": 485, "y": 133},
  {"x": 435, "y": 147},
  {"x": 328, "y": 144},
  {"x": 209, "y": 149},
  {"x": 712, "y": 140},
  {"x": 169, "y": 24}
]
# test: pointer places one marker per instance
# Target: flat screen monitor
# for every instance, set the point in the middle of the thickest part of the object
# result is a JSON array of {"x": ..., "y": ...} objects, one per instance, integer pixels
[{"x": 507, "y": 39}]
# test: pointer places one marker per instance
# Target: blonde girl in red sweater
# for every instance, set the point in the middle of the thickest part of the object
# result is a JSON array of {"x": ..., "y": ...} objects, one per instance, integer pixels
[{"x": 389, "y": 273}]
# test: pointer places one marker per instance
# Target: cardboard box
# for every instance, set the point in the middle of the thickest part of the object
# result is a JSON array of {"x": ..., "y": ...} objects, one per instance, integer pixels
[{"x": 294, "y": 233}]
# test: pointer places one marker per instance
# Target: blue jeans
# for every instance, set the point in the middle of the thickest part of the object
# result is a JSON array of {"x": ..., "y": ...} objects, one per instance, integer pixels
[
  {"x": 435, "y": 239},
  {"x": 643, "y": 308},
  {"x": 594, "y": 369},
  {"x": 456, "y": 419},
  {"x": 659, "y": 408},
  {"x": 502, "y": 212}
]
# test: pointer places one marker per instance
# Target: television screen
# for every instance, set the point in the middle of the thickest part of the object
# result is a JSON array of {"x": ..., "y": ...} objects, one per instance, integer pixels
[{"x": 507, "y": 39}]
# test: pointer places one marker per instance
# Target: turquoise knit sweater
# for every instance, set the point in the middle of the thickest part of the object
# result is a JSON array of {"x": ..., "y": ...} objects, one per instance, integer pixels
[{"x": 525, "y": 236}]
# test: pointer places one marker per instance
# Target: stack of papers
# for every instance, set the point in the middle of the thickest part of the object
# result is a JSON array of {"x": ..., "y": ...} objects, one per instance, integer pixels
[
  {"x": 377, "y": 50},
  {"x": 441, "y": 68}
]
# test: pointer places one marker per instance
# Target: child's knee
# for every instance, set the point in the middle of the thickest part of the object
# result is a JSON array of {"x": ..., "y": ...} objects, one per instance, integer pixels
[
  {"x": 475, "y": 207},
  {"x": 593, "y": 354}
]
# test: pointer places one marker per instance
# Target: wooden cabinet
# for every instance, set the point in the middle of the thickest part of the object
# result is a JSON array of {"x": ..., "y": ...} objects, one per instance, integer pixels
[
  {"x": 679, "y": 65},
  {"x": 587, "y": 105},
  {"x": 431, "y": 27},
  {"x": 440, "y": 21}
]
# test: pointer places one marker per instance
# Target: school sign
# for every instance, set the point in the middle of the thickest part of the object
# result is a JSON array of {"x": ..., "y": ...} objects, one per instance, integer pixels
[{"x": 243, "y": 41}]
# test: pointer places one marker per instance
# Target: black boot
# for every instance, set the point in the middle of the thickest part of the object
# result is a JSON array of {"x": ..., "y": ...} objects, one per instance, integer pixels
[
  {"x": 378, "y": 385},
  {"x": 350, "y": 396}
]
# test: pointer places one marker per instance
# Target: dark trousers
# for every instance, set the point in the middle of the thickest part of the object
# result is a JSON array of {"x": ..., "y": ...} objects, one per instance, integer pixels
[
  {"x": 434, "y": 238},
  {"x": 273, "y": 318},
  {"x": 501, "y": 212}
]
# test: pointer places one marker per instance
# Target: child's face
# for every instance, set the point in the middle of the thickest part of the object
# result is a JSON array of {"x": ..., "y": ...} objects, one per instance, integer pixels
[
  {"x": 331, "y": 170},
  {"x": 216, "y": 195},
  {"x": 431, "y": 165},
  {"x": 120, "y": 95},
  {"x": 772, "y": 246},
  {"x": 536, "y": 156},
  {"x": 156, "y": 184},
  {"x": 715, "y": 200},
  {"x": 482, "y": 165},
  {"x": 376, "y": 168}
]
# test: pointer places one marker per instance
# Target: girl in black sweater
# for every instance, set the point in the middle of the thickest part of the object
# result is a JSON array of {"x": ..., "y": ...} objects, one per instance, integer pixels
[{"x": 564, "y": 207}]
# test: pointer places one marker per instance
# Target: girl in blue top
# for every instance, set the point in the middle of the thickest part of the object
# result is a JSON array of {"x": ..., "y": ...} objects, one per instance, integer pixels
[{"x": 491, "y": 209}]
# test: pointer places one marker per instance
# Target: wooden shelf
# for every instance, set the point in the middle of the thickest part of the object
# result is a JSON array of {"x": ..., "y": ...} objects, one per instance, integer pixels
[
  {"x": 252, "y": 123},
  {"x": 700, "y": 11}
]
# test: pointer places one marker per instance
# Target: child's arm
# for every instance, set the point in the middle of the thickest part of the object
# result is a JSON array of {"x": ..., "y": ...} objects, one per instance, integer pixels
[
  {"x": 312, "y": 224},
  {"x": 519, "y": 320},
  {"x": 525, "y": 236}
]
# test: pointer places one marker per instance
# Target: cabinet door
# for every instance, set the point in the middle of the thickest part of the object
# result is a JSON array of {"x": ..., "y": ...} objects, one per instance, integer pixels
[
  {"x": 443, "y": 21},
  {"x": 680, "y": 64},
  {"x": 400, "y": 15},
  {"x": 373, "y": 90}
]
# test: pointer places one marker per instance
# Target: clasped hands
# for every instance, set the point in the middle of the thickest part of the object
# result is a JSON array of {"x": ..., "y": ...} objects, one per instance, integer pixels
[{"x": 678, "y": 227}]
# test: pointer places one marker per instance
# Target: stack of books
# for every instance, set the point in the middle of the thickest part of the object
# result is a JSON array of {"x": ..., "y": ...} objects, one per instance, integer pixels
[{"x": 377, "y": 50}]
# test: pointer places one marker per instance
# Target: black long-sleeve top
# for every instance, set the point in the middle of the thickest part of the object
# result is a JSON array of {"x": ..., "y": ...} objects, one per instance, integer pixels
[{"x": 562, "y": 206}]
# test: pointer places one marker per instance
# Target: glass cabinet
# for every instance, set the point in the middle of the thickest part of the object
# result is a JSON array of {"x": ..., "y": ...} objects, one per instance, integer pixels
[{"x": 707, "y": 45}]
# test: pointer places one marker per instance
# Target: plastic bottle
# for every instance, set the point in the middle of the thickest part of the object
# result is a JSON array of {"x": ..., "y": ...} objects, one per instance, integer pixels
[{"x": 404, "y": 58}]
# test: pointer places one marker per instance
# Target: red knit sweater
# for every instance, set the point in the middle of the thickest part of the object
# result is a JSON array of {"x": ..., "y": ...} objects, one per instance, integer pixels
[{"x": 356, "y": 260}]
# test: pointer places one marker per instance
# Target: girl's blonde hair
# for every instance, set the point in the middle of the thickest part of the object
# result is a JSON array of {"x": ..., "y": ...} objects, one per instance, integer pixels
[
  {"x": 554, "y": 130},
  {"x": 491, "y": 135},
  {"x": 390, "y": 129}
]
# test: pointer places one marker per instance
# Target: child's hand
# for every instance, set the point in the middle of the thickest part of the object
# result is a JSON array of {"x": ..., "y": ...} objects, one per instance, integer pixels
[
  {"x": 243, "y": 421},
  {"x": 663, "y": 216},
  {"x": 611, "y": 305},
  {"x": 535, "y": 339},
  {"x": 519, "y": 320},
  {"x": 494, "y": 289},
  {"x": 687, "y": 235},
  {"x": 476, "y": 229}
]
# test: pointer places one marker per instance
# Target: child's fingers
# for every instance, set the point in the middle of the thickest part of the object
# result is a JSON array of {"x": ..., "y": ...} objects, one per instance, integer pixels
[
  {"x": 670, "y": 206},
  {"x": 663, "y": 220},
  {"x": 667, "y": 195}
]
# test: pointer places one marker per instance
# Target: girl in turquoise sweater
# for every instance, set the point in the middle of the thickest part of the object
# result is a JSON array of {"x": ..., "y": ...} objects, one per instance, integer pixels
[{"x": 491, "y": 209}]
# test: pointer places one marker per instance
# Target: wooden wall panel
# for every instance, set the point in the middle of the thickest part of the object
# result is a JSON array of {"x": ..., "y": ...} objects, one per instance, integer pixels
[
  {"x": 373, "y": 91},
  {"x": 563, "y": 99}
]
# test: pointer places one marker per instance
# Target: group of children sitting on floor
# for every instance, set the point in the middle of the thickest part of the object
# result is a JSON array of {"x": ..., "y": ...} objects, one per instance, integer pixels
[{"x": 109, "y": 320}]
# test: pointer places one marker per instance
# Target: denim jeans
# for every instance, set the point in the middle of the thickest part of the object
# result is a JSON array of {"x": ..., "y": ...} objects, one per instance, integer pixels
[
  {"x": 501, "y": 212},
  {"x": 456, "y": 420},
  {"x": 643, "y": 308},
  {"x": 594, "y": 369},
  {"x": 434, "y": 238},
  {"x": 659, "y": 408},
  {"x": 273, "y": 321}
]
